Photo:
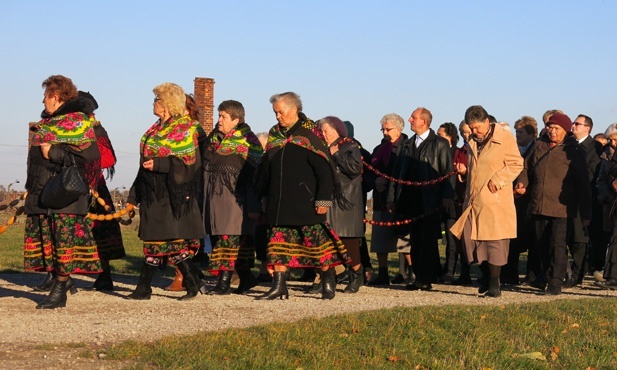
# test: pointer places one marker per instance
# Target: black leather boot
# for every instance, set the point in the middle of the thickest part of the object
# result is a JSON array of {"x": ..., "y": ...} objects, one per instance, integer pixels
[
  {"x": 328, "y": 283},
  {"x": 382, "y": 278},
  {"x": 247, "y": 281},
  {"x": 494, "y": 287},
  {"x": 191, "y": 278},
  {"x": 102, "y": 282},
  {"x": 279, "y": 287},
  {"x": 143, "y": 291},
  {"x": 223, "y": 285},
  {"x": 356, "y": 280},
  {"x": 45, "y": 286},
  {"x": 56, "y": 297},
  {"x": 307, "y": 275}
]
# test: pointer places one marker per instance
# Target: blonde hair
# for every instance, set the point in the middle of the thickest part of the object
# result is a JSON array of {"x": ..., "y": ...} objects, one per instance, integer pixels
[
  {"x": 172, "y": 97},
  {"x": 549, "y": 113}
]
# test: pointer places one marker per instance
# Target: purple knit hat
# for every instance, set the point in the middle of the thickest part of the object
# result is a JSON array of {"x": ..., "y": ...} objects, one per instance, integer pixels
[
  {"x": 562, "y": 120},
  {"x": 337, "y": 124}
]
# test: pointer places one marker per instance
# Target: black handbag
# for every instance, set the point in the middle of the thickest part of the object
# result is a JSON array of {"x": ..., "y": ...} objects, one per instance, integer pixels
[{"x": 63, "y": 188}]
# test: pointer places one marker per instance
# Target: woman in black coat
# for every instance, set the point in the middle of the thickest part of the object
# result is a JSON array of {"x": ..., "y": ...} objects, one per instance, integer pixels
[
  {"x": 347, "y": 219},
  {"x": 295, "y": 180},
  {"x": 59, "y": 240},
  {"x": 166, "y": 189}
]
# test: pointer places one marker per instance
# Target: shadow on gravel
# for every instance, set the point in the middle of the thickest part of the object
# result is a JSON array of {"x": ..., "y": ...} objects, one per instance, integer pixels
[{"x": 33, "y": 296}]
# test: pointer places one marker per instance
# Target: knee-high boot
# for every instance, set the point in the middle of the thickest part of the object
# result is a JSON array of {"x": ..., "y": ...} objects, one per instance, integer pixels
[
  {"x": 328, "y": 283},
  {"x": 223, "y": 285},
  {"x": 143, "y": 290},
  {"x": 56, "y": 297},
  {"x": 279, "y": 287},
  {"x": 194, "y": 284},
  {"x": 484, "y": 280},
  {"x": 103, "y": 281},
  {"x": 494, "y": 285},
  {"x": 247, "y": 281}
]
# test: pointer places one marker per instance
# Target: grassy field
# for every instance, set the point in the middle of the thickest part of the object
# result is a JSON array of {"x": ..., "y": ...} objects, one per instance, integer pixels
[
  {"x": 578, "y": 334},
  {"x": 562, "y": 334}
]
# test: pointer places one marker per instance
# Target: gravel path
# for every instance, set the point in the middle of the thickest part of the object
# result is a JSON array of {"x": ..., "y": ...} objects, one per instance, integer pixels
[{"x": 94, "y": 320}]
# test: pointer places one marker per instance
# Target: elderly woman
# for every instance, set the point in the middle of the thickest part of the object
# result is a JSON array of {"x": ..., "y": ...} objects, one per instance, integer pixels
[
  {"x": 384, "y": 239},
  {"x": 231, "y": 203},
  {"x": 166, "y": 189},
  {"x": 347, "y": 220},
  {"x": 488, "y": 221},
  {"x": 59, "y": 240},
  {"x": 296, "y": 181}
]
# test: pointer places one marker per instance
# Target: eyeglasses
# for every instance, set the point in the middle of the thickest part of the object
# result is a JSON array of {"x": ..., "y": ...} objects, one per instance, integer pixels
[
  {"x": 578, "y": 124},
  {"x": 157, "y": 99},
  {"x": 387, "y": 129}
]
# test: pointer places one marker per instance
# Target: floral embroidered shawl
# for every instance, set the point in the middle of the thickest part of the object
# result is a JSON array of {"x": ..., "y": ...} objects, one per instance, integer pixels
[{"x": 177, "y": 137}]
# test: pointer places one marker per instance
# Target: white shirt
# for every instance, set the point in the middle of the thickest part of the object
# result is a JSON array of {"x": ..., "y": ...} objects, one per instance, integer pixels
[{"x": 420, "y": 138}]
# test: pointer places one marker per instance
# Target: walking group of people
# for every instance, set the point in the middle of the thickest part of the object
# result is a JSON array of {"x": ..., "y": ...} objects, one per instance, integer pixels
[{"x": 300, "y": 194}]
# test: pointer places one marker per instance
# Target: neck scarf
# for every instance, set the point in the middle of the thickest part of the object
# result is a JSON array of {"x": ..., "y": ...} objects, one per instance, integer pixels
[
  {"x": 306, "y": 134},
  {"x": 231, "y": 159},
  {"x": 240, "y": 141},
  {"x": 177, "y": 137},
  {"x": 74, "y": 129}
]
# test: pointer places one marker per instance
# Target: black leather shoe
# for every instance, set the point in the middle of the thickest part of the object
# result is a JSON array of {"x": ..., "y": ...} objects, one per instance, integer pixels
[
  {"x": 419, "y": 285},
  {"x": 570, "y": 282},
  {"x": 608, "y": 284},
  {"x": 553, "y": 290},
  {"x": 398, "y": 279},
  {"x": 538, "y": 284},
  {"x": 462, "y": 280}
]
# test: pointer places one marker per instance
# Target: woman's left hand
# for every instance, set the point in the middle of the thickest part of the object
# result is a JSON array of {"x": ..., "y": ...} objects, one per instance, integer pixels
[
  {"x": 321, "y": 210},
  {"x": 149, "y": 164},
  {"x": 45, "y": 149}
]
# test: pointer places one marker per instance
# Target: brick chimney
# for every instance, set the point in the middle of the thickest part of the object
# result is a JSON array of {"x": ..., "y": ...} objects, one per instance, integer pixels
[{"x": 204, "y": 98}]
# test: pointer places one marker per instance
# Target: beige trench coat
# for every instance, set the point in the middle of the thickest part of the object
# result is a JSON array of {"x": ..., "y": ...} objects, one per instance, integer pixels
[{"x": 492, "y": 216}]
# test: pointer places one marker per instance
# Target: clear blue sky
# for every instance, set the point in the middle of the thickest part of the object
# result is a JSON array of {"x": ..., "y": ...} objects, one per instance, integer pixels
[{"x": 358, "y": 60}]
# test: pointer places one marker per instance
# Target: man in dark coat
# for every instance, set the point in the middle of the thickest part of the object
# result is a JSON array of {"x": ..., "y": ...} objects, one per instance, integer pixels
[
  {"x": 555, "y": 175},
  {"x": 425, "y": 157},
  {"x": 580, "y": 237}
]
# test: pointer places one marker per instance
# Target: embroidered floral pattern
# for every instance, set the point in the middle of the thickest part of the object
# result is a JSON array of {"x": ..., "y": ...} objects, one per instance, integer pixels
[
  {"x": 169, "y": 248},
  {"x": 241, "y": 141},
  {"x": 230, "y": 251},
  {"x": 74, "y": 250},
  {"x": 310, "y": 246},
  {"x": 73, "y": 128},
  {"x": 177, "y": 137}
]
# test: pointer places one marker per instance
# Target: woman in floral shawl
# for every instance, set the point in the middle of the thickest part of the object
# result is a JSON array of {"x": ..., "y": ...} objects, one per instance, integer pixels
[
  {"x": 231, "y": 203},
  {"x": 60, "y": 241},
  {"x": 297, "y": 182},
  {"x": 166, "y": 188}
]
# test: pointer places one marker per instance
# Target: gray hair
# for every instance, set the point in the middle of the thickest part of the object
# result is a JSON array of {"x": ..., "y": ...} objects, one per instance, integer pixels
[
  {"x": 394, "y": 118},
  {"x": 290, "y": 98}
]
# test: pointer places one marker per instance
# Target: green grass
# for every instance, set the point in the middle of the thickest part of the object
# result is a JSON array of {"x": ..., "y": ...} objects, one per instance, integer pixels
[{"x": 577, "y": 334}]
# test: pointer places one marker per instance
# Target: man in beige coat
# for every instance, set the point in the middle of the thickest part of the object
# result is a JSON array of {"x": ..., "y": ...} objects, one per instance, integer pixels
[{"x": 488, "y": 221}]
